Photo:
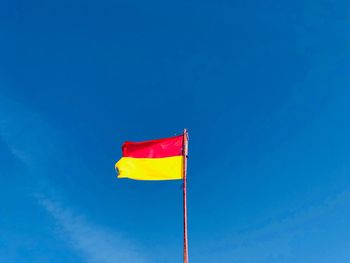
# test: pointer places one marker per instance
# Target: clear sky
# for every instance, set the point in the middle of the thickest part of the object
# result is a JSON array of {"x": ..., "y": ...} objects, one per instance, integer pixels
[{"x": 262, "y": 86}]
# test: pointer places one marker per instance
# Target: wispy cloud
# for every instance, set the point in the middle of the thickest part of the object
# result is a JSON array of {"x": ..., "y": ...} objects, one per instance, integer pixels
[
  {"x": 37, "y": 145},
  {"x": 276, "y": 241},
  {"x": 26, "y": 133},
  {"x": 96, "y": 244}
]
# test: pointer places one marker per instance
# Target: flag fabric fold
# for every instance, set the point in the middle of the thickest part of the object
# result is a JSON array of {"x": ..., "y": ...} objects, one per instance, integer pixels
[{"x": 160, "y": 159}]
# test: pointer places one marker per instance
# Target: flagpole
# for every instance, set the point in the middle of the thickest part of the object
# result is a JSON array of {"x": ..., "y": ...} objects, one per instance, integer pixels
[{"x": 185, "y": 153}]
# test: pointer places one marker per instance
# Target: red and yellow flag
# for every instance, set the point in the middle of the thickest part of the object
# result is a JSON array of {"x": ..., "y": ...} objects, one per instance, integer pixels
[{"x": 160, "y": 159}]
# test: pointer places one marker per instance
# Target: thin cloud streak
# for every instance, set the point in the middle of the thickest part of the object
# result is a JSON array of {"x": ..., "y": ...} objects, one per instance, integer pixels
[
  {"x": 275, "y": 242},
  {"x": 36, "y": 144},
  {"x": 95, "y": 243}
]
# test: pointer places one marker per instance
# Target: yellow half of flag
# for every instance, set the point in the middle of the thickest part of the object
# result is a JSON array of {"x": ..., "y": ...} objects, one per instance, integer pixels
[{"x": 169, "y": 168}]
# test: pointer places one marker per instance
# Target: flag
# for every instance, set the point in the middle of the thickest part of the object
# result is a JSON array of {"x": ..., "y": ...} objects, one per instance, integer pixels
[{"x": 160, "y": 159}]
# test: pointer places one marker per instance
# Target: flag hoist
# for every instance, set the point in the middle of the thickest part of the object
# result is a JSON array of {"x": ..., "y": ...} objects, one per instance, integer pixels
[{"x": 162, "y": 159}]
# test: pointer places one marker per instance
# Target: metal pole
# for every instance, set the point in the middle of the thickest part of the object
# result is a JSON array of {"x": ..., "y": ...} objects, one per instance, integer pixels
[{"x": 185, "y": 153}]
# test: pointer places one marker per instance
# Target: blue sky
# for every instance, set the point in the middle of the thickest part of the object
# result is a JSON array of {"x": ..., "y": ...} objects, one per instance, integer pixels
[{"x": 263, "y": 88}]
